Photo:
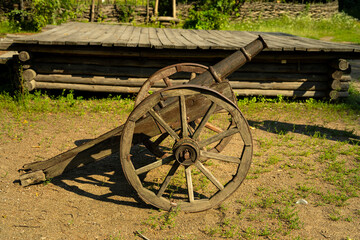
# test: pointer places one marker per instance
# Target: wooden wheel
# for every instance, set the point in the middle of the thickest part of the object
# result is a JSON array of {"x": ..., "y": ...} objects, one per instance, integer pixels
[
  {"x": 185, "y": 172},
  {"x": 165, "y": 74}
]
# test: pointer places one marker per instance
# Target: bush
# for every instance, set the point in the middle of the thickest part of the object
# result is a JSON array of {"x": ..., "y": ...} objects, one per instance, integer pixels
[
  {"x": 125, "y": 12},
  {"x": 210, "y": 14},
  {"x": 41, "y": 13},
  {"x": 208, "y": 19}
]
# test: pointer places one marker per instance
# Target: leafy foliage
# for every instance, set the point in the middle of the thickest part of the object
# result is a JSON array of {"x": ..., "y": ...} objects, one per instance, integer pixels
[
  {"x": 210, "y": 14},
  {"x": 125, "y": 12},
  {"x": 41, "y": 13},
  {"x": 209, "y": 19}
]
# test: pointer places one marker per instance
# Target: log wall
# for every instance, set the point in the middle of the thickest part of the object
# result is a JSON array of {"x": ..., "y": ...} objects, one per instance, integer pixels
[{"x": 265, "y": 76}]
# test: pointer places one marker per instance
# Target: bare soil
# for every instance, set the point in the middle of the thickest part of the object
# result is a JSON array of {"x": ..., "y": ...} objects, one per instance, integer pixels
[{"x": 96, "y": 202}]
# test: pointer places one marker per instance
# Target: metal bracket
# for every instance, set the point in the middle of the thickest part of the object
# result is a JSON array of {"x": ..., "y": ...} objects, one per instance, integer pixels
[
  {"x": 246, "y": 54},
  {"x": 215, "y": 74}
]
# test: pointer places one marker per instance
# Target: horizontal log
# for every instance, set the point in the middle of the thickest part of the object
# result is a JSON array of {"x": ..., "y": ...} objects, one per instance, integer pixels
[
  {"x": 102, "y": 61},
  {"x": 339, "y": 85},
  {"x": 30, "y": 85},
  {"x": 24, "y": 56},
  {"x": 111, "y": 81},
  {"x": 340, "y": 64},
  {"x": 72, "y": 69},
  {"x": 167, "y": 19},
  {"x": 337, "y": 74},
  {"x": 286, "y": 77},
  {"x": 346, "y": 78},
  {"x": 160, "y": 63},
  {"x": 138, "y": 82},
  {"x": 79, "y": 69},
  {"x": 275, "y": 93},
  {"x": 28, "y": 74},
  {"x": 89, "y": 88},
  {"x": 215, "y": 54},
  {"x": 309, "y": 86},
  {"x": 337, "y": 94}
]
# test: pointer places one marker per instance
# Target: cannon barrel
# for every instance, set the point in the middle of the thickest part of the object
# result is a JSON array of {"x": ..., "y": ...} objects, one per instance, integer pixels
[
  {"x": 230, "y": 64},
  {"x": 108, "y": 143}
]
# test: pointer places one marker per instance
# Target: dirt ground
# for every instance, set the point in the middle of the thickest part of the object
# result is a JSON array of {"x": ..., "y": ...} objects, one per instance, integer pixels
[{"x": 96, "y": 202}]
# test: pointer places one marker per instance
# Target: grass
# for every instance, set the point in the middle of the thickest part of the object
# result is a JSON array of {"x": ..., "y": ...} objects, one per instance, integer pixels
[
  {"x": 5, "y": 28},
  {"x": 323, "y": 160},
  {"x": 340, "y": 27}
]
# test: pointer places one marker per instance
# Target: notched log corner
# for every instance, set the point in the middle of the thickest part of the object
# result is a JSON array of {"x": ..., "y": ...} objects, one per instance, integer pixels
[{"x": 30, "y": 178}]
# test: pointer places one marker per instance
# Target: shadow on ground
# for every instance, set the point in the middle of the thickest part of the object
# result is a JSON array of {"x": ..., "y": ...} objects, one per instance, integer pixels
[
  {"x": 308, "y": 130},
  {"x": 113, "y": 182}
]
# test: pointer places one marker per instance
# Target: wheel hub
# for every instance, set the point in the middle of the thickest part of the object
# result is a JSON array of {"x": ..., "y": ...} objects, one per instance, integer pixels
[{"x": 186, "y": 151}]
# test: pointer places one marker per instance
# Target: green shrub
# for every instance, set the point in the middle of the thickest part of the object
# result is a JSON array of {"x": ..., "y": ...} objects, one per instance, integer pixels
[
  {"x": 41, "y": 13},
  {"x": 208, "y": 19},
  {"x": 210, "y": 14},
  {"x": 125, "y": 12}
]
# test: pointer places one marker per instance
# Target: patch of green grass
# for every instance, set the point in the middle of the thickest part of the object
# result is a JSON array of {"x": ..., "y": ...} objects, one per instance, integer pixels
[
  {"x": 163, "y": 220},
  {"x": 5, "y": 28},
  {"x": 340, "y": 27},
  {"x": 40, "y": 102}
]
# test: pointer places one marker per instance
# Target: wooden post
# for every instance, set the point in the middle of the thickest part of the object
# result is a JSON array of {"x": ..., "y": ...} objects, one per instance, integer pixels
[
  {"x": 147, "y": 10},
  {"x": 156, "y": 10},
  {"x": 92, "y": 12},
  {"x": 174, "y": 8}
]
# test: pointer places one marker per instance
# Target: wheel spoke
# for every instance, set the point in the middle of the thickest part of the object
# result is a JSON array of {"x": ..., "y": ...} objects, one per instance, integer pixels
[
  {"x": 154, "y": 165},
  {"x": 213, "y": 128},
  {"x": 167, "y": 81},
  {"x": 160, "y": 139},
  {"x": 167, "y": 180},
  {"x": 184, "y": 125},
  {"x": 189, "y": 184},
  {"x": 218, "y": 137},
  {"x": 209, "y": 175},
  {"x": 153, "y": 148},
  {"x": 219, "y": 156},
  {"x": 162, "y": 122},
  {"x": 204, "y": 121}
]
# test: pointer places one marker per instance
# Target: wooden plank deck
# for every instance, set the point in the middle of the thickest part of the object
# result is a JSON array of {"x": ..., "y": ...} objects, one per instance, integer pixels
[{"x": 90, "y": 34}]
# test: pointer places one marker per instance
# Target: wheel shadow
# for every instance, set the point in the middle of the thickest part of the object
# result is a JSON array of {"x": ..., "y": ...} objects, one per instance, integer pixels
[
  {"x": 106, "y": 174},
  {"x": 309, "y": 130}
]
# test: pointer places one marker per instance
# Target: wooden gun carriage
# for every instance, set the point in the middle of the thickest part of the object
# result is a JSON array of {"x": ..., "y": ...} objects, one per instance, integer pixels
[{"x": 185, "y": 146}]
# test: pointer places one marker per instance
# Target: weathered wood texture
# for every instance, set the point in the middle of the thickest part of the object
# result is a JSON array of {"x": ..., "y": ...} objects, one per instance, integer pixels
[
  {"x": 116, "y": 58},
  {"x": 88, "y": 34}
]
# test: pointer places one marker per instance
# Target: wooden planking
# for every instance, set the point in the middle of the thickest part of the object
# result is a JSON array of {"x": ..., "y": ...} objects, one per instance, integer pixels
[
  {"x": 48, "y": 35},
  {"x": 134, "y": 38},
  {"x": 129, "y": 36},
  {"x": 187, "y": 44},
  {"x": 194, "y": 39},
  {"x": 110, "y": 41},
  {"x": 163, "y": 38},
  {"x": 61, "y": 39},
  {"x": 124, "y": 38},
  {"x": 154, "y": 40},
  {"x": 175, "y": 41},
  {"x": 107, "y": 35},
  {"x": 218, "y": 43},
  {"x": 79, "y": 37},
  {"x": 227, "y": 37},
  {"x": 144, "y": 40}
]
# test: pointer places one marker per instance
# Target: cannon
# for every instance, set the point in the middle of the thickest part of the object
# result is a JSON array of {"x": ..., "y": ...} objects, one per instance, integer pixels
[{"x": 186, "y": 146}]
